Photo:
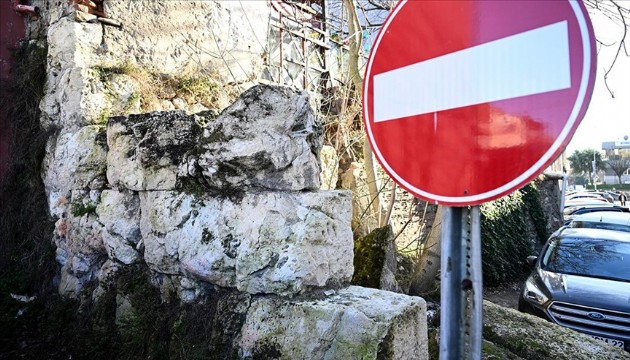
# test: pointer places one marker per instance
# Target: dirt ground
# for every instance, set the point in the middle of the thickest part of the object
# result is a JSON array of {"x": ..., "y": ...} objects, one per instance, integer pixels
[{"x": 504, "y": 296}]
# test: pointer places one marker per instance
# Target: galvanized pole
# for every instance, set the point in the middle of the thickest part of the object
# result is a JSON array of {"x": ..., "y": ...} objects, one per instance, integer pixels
[{"x": 461, "y": 322}]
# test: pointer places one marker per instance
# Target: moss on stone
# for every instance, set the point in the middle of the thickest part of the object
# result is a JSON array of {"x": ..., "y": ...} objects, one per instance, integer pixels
[
  {"x": 80, "y": 208},
  {"x": 433, "y": 345},
  {"x": 192, "y": 187},
  {"x": 369, "y": 257},
  {"x": 217, "y": 135},
  {"x": 266, "y": 351}
]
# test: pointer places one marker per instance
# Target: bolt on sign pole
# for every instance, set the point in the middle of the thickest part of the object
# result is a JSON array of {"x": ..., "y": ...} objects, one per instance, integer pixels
[
  {"x": 461, "y": 287},
  {"x": 465, "y": 101}
]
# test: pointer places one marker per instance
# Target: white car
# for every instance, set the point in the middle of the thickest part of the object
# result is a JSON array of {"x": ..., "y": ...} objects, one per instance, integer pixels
[
  {"x": 585, "y": 196},
  {"x": 609, "y": 220}
]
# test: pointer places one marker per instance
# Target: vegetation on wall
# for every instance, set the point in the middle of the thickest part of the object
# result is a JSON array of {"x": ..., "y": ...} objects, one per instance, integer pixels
[
  {"x": 504, "y": 237},
  {"x": 151, "y": 88},
  {"x": 531, "y": 200},
  {"x": 150, "y": 325},
  {"x": 369, "y": 257},
  {"x": 615, "y": 187},
  {"x": 26, "y": 252},
  {"x": 27, "y": 262}
]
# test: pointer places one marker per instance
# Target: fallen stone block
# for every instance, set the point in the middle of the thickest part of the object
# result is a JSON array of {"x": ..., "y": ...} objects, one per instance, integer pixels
[
  {"x": 530, "y": 337},
  {"x": 353, "y": 323}
]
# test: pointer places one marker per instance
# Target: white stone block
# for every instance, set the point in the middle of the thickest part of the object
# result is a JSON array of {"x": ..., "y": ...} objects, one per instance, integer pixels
[
  {"x": 272, "y": 242},
  {"x": 353, "y": 323}
]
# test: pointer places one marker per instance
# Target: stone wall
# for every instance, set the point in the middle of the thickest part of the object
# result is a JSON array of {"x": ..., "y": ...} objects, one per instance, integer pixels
[
  {"x": 222, "y": 198},
  {"x": 230, "y": 200},
  {"x": 179, "y": 37},
  {"x": 97, "y": 71}
]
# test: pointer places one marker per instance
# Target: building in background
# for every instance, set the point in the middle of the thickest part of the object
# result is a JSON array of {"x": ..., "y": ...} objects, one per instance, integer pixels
[{"x": 617, "y": 151}]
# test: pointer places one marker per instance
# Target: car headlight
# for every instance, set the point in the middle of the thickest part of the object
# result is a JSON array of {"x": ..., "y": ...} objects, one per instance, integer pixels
[{"x": 532, "y": 293}]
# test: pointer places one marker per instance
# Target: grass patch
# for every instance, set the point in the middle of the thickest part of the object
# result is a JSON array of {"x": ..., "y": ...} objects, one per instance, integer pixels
[
  {"x": 151, "y": 88},
  {"x": 199, "y": 88}
]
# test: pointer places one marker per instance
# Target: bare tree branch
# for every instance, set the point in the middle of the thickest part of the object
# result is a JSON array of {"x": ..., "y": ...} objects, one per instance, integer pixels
[{"x": 618, "y": 14}]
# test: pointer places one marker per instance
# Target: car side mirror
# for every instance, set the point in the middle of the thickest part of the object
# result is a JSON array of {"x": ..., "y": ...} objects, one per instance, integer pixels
[{"x": 531, "y": 260}]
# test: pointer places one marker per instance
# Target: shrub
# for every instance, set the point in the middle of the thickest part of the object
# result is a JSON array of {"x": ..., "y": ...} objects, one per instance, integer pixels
[{"x": 505, "y": 243}]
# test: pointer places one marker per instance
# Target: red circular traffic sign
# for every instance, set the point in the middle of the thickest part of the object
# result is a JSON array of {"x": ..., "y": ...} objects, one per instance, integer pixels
[{"x": 466, "y": 101}]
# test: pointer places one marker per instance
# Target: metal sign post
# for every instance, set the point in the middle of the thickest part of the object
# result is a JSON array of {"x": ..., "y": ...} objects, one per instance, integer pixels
[
  {"x": 461, "y": 324},
  {"x": 438, "y": 79}
]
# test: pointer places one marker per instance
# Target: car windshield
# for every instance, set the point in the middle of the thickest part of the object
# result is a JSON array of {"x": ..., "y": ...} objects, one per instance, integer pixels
[
  {"x": 599, "y": 225},
  {"x": 604, "y": 259}
]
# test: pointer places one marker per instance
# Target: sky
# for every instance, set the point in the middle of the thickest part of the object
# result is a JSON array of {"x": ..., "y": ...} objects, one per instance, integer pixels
[{"x": 607, "y": 118}]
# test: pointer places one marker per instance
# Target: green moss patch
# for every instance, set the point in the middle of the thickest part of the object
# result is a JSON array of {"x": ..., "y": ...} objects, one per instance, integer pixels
[{"x": 369, "y": 257}]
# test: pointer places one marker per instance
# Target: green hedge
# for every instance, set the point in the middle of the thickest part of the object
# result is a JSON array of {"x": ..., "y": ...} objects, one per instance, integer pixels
[
  {"x": 504, "y": 237},
  {"x": 609, "y": 187}
]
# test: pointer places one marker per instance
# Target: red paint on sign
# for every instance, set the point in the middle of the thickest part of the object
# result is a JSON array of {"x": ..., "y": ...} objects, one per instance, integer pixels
[{"x": 475, "y": 153}]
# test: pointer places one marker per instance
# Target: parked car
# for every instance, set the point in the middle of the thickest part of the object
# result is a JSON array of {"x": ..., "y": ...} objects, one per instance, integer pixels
[
  {"x": 571, "y": 211},
  {"x": 615, "y": 195},
  {"x": 577, "y": 202},
  {"x": 581, "y": 280},
  {"x": 609, "y": 220},
  {"x": 587, "y": 195},
  {"x": 605, "y": 195}
]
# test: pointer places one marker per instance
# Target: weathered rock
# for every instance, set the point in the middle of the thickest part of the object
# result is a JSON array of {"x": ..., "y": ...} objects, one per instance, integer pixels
[
  {"x": 354, "y": 323},
  {"x": 119, "y": 212},
  {"x": 145, "y": 150},
  {"x": 330, "y": 168},
  {"x": 70, "y": 101},
  {"x": 120, "y": 92},
  {"x": 74, "y": 161},
  {"x": 225, "y": 36},
  {"x": 106, "y": 276},
  {"x": 271, "y": 242},
  {"x": 530, "y": 337},
  {"x": 269, "y": 138},
  {"x": 80, "y": 249}
]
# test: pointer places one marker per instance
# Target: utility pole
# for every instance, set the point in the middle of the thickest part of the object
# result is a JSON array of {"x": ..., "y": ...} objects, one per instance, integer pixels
[{"x": 594, "y": 171}]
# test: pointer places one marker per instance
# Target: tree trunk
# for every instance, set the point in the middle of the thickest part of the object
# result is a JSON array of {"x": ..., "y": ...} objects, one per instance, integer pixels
[
  {"x": 354, "y": 40},
  {"x": 428, "y": 266}
]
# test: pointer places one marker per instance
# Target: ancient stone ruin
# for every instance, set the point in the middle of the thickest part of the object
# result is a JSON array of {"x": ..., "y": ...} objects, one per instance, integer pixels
[
  {"x": 219, "y": 202},
  {"x": 233, "y": 201}
]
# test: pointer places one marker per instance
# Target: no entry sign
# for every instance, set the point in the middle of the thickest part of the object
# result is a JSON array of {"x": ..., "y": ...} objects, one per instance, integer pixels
[{"x": 466, "y": 101}]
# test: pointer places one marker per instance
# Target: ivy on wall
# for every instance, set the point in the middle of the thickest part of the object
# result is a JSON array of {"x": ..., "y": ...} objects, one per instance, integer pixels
[
  {"x": 531, "y": 199},
  {"x": 504, "y": 236}
]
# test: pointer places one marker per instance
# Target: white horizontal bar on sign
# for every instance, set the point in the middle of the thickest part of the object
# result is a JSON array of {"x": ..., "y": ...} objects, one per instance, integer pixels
[{"x": 531, "y": 62}]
